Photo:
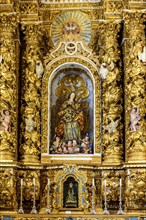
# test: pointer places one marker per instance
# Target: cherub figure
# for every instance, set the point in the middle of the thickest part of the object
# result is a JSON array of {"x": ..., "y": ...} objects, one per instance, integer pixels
[
  {"x": 30, "y": 124},
  {"x": 5, "y": 119},
  {"x": 135, "y": 117},
  {"x": 86, "y": 144},
  {"x": 70, "y": 147}
]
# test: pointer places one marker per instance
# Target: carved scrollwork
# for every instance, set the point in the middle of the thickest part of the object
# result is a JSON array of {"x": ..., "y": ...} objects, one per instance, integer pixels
[
  {"x": 31, "y": 92},
  {"x": 111, "y": 92},
  {"x": 8, "y": 188},
  {"x": 136, "y": 192},
  {"x": 134, "y": 86},
  {"x": 8, "y": 107}
]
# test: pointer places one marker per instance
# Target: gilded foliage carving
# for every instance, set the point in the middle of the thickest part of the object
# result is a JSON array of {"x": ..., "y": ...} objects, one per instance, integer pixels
[
  {"x": 135, "y": 85},
  {"x": 136, "y": 191},
  {"x": 114, "y": 6},
  {"x": 28, "y": 186},
  {"x": 111, "y": 75},
  {"x": 45, "y": 175},
  {"x": 31, "y": 92},
  {"x": 98, "y": 188},
  {"x": 8, "y": 188},
  {"x": 28, "y": 8},
  {"x": 8, "y": 104},
  {"x": 112, "y": 178}
]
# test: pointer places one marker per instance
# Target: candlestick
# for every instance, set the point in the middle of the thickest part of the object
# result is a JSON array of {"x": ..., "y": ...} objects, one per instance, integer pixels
[
  {"x": 21, "y": 181},
  {"x": 34, "y": 211},
  {"x": 128, "y": 180},
  {"x": 93, "y": 198},
  {"x": 105, "y": 211},
  {"x": 48, "y": 198},
  {"x": 34, "y": 181},
  {"x": 120, "y": 212},
  {"x": 21, "y": 211}
]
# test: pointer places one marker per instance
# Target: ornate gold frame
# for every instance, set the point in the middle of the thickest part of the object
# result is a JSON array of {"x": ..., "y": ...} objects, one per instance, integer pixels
[
  {"x": 80, "y": 177},
  {"x": 50, "y": 68}
]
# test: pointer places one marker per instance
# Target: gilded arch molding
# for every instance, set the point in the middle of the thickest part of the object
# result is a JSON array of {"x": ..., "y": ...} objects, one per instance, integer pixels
[{"x": 50, "y": 67}]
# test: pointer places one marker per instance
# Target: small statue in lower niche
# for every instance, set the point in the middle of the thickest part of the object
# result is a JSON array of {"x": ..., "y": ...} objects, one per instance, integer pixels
[{"x": 71, "y": 200}]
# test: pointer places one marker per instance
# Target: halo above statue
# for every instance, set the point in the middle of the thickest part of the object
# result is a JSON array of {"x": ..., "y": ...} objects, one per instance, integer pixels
[{"x": 74, "y": 24}]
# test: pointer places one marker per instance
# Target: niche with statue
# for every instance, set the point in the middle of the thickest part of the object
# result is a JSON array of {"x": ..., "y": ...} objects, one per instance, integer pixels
[
  {"x": 72, "y": 112},
  {"x": 70, "y": 193}
]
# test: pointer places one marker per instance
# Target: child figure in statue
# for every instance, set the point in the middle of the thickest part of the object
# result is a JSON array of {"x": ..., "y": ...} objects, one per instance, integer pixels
[
  {"x": 5, "y": 119},
  {"x": 71, "y": 119},
  {"x": 135, "y": 117}
]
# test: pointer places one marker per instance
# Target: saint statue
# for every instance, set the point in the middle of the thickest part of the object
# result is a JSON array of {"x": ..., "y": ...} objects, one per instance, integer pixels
[
  {"x": 72, "y": 116},
  {"x": 71, "y": 119},
  {"x": 71, "y": 200}
]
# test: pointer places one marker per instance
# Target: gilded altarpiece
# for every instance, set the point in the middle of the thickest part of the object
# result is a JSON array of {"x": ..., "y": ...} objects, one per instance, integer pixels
[{"x": 72, "y": 109}]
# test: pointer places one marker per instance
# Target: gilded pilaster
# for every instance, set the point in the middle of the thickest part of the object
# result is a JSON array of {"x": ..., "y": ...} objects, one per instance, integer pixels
[
  {"x": 111, "y": 83},
  {"x": 135, "y": 61},
  {"x": 45, "y": 196},
  {"x": 98, "y": 194},
  {"x": 8, "y": 87},
  {"x": 31, "y": 91},
  {"x": 112, "y": 178},
  {"x": 28, "y": 188},
  {"x": 135, "y": 190},
  {"x": 8, "y": 197}
]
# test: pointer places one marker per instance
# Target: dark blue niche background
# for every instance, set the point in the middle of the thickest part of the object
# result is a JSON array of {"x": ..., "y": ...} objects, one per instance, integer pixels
[{"x": 84, "y": 144}]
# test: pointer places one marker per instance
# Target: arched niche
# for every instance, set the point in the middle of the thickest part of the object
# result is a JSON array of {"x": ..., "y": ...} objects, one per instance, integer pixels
[
  {"x": 70, "y": 193},
  {"x": 88, "y": 69},
  {"x": 71, "y": 116}
]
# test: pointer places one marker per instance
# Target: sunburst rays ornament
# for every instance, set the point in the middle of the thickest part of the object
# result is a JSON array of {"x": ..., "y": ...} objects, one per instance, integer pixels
[{"x": 71, "y": 23}]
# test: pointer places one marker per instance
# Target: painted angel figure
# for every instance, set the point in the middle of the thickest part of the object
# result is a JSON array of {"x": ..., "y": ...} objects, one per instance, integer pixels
[
  {"x": 5, "y": 119},
  {"x": 135, "y": 117}
]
